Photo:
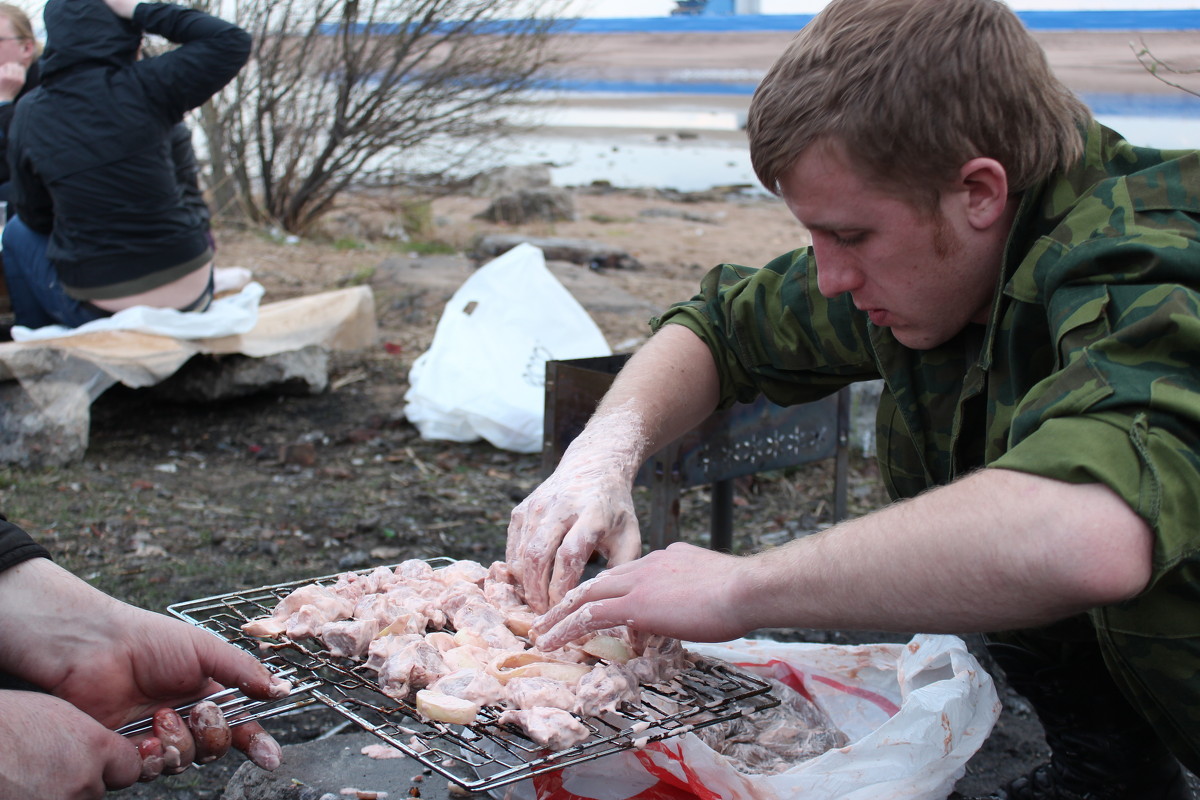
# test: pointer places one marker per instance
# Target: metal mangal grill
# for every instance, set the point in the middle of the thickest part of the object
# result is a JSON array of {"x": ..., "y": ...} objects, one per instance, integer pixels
[{"x": 486, "y": 754}]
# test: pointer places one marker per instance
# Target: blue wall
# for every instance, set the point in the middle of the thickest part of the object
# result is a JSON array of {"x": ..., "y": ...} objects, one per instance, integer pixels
[{"x": 1131, "y": 20}]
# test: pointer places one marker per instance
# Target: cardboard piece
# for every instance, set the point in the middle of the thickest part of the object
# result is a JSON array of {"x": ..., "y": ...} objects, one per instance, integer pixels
[{"x": 39, "y": 377}]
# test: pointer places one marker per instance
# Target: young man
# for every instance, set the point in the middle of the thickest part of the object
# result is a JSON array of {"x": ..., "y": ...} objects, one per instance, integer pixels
[{"x": 1026, "y": 284}]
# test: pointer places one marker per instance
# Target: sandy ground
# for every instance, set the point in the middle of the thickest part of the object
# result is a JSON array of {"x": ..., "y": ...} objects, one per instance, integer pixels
[{"x": 1087, "y": 61}]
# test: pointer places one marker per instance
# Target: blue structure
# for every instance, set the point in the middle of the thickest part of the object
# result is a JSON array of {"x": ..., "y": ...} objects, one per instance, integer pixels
[{"x": 690, "y": 16}]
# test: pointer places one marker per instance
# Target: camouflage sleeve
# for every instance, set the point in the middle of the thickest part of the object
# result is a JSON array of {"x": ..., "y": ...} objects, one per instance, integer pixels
[
  {"x": 771, "y": 332},
  {"x": 1124, "y": 410}
]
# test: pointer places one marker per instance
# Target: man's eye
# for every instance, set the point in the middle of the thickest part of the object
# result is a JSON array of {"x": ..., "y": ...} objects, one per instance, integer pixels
[{"x": 848, "y": 240}]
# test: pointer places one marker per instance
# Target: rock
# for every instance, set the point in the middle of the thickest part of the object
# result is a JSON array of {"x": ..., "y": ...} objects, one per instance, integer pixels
[
  {"x": 327, "y": 766},
  {"x": 676, "y": 213},
  {"x": 302, "y": 454},
  {"x": 510, "y": 180},
  {"x": 577, "y": 251},
  {"x": 42, "y": 434},
  {"x": 528, "y": 205},
  {"x": 211, "y": 377}
]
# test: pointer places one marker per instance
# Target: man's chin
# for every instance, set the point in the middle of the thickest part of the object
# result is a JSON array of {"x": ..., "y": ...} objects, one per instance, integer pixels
[{"x": 915, "y": 339}]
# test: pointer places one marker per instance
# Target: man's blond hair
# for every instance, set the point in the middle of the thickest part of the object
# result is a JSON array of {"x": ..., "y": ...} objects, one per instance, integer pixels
[
  {"x": 22, "y": 27},
  {"x": 913, "y": 89}
]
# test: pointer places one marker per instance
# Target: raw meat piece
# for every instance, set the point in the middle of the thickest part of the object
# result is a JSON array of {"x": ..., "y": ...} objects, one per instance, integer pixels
[
  {"x": 310, "y": 618},
  {"x": 475, "y": 685},
  {"x": 322, "y": 604},
  {"x": 466, "y": 656},
  {"x": 604, "y": 689},
  {"x": 775, "y": 739},
  {"x": 503, "y": 596},
  {"x": 465, "y": 570},
  {"x": 348, "y": 638},
  {"x": 414, "y": 666},
  {"x": 434, "y": 705},
  {"x": 382, "y": 648},
  {"x": 481, "y": 618},
  {"x": 526, "y": 693},
  {"x": 457, "y": 594},
  {"x": 661, "y": 659},
  {"x": 414, "y": 569},
  {"x": 552, "y": 728}
]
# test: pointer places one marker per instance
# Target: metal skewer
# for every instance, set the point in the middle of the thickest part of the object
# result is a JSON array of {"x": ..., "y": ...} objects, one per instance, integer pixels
[{"x": 237, "y": 708}]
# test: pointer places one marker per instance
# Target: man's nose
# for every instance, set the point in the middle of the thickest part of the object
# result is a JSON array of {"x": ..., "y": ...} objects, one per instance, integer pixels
[{"x": 836, "y": 275}]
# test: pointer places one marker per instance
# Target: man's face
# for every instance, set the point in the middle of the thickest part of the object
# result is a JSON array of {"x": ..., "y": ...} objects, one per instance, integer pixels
[
  {"x": 13, "y": 49},
  {"x": 925, "y": 276}
]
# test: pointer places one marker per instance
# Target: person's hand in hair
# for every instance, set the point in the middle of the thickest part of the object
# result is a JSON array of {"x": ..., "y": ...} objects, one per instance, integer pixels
[
  {"x": 122, "y": 8},
  {"x": 12, "y": 80}
]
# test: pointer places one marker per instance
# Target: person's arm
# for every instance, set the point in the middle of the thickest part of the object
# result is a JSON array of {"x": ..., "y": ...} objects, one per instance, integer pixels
[
  {"x": 115, "y": 663},
  {"x": 996, "y": 550},
  {"x": 586, "y": 506},
  {"x": 211, "y": 52}
]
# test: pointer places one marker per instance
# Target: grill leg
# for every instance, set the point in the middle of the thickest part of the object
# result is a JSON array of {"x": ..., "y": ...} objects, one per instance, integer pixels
[{"x": 721, "y": 538}]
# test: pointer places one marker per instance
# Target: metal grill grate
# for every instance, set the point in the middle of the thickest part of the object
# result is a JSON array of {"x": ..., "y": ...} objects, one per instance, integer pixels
[{"x": 484, "y": 755}]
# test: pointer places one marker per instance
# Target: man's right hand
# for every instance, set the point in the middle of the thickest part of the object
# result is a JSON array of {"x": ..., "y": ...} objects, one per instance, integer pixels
[
  {"x": 12, "y": 80},
  {"x": 585, "y": 507}
]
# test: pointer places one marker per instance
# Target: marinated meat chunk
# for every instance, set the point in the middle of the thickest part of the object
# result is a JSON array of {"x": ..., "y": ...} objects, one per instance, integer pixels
[
  {"x": 475, "y": 685},
  {"x": 414, "y": 666},
  {"x": 503, "y": 596},
  {"x": 382, "y": 648},
  {"x": 414, "y": 569},
  {"x": 552, "y": 728},
  {"x": 778, "y": 738},
  {"x": 484, "y": 619},
  {"x": 525, "y": 693},
  {"x": 604, "y": 689},
  {"x": 465, "y": 570},
  {"x": 348, "y": 638},
  {"x": 316, "y": 606}
]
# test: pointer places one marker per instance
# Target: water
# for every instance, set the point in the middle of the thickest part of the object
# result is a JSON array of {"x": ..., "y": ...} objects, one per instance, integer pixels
[{"x": 633, "y": 137}]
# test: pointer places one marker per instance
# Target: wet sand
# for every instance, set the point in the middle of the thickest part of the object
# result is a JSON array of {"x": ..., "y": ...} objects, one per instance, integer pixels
[{"x": 1087, "y": 61}]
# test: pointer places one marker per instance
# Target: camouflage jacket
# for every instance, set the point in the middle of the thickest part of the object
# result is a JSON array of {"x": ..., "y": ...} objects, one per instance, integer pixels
[{"x": 1088, "y": 370}]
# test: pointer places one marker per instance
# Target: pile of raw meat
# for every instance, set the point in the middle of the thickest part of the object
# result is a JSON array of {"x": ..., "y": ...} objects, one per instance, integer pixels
[
  {"x": 777, "y": 739},
  {"x": 456, "y": 637}
]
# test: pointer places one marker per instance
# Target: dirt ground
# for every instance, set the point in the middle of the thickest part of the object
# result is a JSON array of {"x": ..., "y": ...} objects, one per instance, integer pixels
[{"x": 178, "y": 501}]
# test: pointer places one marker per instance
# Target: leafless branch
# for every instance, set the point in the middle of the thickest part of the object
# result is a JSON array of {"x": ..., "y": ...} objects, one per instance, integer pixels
[
  {"x": 340, "y": 92},
  {"x": 1161, "y": 69}
]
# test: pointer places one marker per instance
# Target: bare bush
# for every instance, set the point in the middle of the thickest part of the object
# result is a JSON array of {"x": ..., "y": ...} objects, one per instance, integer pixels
[
  {"x": 1163, "y": 71},
  {"x": 341, "y": 92}
]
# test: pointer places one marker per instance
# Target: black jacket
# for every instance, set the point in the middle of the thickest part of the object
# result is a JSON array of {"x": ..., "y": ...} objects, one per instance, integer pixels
[
  {"x": 16, "y": 546},
  {"x": 33, "y": 77},
  {"x": 90, "y": 149}
]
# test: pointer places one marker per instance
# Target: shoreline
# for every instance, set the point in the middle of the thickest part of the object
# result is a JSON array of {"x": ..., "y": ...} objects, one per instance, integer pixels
[{"x": 1086, "y": 61}]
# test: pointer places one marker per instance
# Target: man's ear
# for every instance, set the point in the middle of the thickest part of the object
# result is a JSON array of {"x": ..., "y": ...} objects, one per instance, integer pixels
[{"x": 984, "y": 183}]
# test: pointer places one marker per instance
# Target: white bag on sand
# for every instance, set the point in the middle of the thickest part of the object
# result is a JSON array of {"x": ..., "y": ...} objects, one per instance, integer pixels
[
  {"x": 484, "y": 374},
  {"x": 914, "y": 714}
]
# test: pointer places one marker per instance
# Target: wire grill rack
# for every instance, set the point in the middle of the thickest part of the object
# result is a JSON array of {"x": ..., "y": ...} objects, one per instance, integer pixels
[{"x": 486, "y": 754}]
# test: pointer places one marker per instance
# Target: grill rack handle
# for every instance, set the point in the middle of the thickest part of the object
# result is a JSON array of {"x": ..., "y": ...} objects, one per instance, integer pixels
[{"x": 237, "y": 707}]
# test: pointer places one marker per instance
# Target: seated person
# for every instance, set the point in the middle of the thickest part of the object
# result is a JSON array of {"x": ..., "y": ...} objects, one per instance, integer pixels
[
  {"x": 101, "y": 222},
  {"x": 19, "y": 52}
]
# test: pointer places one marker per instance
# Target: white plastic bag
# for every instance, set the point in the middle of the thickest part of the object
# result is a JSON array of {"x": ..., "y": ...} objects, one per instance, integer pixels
[
  {"x": 484, "y": 374},
  {"x": 914, "y": 714}
]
